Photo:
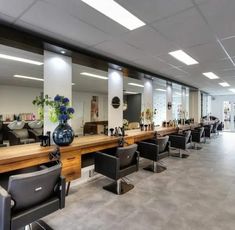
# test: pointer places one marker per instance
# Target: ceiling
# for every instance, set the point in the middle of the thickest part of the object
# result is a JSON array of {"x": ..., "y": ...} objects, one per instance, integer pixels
[{"x": 205, "y": 29}]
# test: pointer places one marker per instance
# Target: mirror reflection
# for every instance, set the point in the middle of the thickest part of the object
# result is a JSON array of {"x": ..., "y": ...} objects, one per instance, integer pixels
[{"x": 133, "y": 90}]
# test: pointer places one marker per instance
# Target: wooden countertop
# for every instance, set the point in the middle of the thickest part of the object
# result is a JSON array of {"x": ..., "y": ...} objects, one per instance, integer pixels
[{"x": 82, "y": 145}]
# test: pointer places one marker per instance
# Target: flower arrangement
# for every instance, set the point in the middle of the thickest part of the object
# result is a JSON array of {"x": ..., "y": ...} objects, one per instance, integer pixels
[
  {"x": 40, "y": 101},
  {"x": 125, "y": 123},
  {"x": 60, "y": 109},
  {"x": 148, "y": 114}
]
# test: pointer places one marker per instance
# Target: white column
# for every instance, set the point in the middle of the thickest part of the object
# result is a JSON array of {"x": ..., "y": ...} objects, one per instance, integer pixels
[
  {"x": 115, "y": 89},
  {"x": 148, "y": 94},
  {"x": 168, "y": 101},
  {"x": 57, "y": 80},
  {"x": 195, "y": 105},
  {"x": 183, "y": 98}
]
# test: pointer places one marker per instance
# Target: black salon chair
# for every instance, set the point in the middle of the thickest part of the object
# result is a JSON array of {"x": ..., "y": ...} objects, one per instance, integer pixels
[
  {"x": 155, "y": 150},
  {"x": 181, "y": 142},
  {"x": 123, "y": 162},
  {"x": 1, "y": 134},
  {"x": 27, "y": 197},
  {"x": 208, "y": 131},
  {"x": 198, "y": 137}
]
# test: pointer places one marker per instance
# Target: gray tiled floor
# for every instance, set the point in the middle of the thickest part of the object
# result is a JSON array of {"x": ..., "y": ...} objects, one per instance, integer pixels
[{"x": 194, "y": 193}]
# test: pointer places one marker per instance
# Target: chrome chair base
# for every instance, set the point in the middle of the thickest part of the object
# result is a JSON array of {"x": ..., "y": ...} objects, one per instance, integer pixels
[
  {"x": 119, "y": 187},
  {"x": 156, "y": 168},
  {"x": 37, "y": 225}
]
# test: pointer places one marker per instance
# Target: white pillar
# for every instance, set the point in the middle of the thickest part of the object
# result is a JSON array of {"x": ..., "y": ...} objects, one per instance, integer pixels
[
  {"x": 115, "y": 89},
  {"x": 168, "y": 101},
  {"x": 57, "y": 80},
  {"x": 195, "y": 105}
]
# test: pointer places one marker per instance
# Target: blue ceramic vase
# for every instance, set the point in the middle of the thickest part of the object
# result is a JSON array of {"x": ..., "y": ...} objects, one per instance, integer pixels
[{"x": 63, "y": 135}]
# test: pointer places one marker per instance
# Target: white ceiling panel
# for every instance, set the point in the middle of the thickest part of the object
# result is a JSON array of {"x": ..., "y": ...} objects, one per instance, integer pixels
[
  {"x": 116, "y": 48},
  {"x": 229, "y": 45},
  {"x": 187, "y": 29},
  {"x": 153, "y": 10},
  {"x": 46, "y": 17},
  {"x": 149, "y": 40},
  {"x": 14, "y": 8},
  {"x": 151, "y": 62},
  {"x": 220, "y": 15},
  {"x": 206, "y": 52},
  {"x": 87, "y": 14}
]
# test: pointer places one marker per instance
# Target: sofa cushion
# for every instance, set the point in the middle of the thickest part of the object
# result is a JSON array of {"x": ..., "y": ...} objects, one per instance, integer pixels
[{"x": 16, "y": 125}]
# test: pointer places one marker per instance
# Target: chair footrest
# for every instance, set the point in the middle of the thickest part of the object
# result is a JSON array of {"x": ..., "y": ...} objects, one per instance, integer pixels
[
  {"x": 124, "y": 187},
  {"x": 159, "y": 168},
  {"x": 183, "y": 155}
]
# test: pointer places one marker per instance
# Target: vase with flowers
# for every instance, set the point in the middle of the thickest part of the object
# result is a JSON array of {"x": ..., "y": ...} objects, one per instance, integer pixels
[{"x": 60, "y": 111}]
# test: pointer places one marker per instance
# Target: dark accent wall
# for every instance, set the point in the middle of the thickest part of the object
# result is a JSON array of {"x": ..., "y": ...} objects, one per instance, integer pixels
[{"x": 132, "y": 114}]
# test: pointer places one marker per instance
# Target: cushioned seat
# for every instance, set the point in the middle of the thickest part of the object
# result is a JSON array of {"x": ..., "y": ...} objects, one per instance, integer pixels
[
  {"x": 19, "y": 135},
  {"x": 155, "y": 150},
  {"x": 122, "y": 162}
]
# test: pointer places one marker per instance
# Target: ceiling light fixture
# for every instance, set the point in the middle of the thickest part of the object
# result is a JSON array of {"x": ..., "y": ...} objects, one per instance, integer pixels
[
  {"x": 163, "y": 90},
  {"x": 224, "y": 84},
  {"x": 13, "y": 58},
  {"x": 116, "y": 12},
  {"x": 63, "y": 51},
  {"x": 232, "y": 90},
  {"x": 28, "y": 77},
  {"x": 210, "y": 75},
  {"x": 94, "y": 75},
  {"x": 134, "y": 84},
  {"x": 183, "y": 57},
  {"x": 31, "y": 78},
  {"x": 130, "y": 92}
]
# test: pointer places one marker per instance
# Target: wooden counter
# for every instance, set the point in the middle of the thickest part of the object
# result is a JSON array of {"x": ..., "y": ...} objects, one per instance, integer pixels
[{"x": 22, "y": 156}]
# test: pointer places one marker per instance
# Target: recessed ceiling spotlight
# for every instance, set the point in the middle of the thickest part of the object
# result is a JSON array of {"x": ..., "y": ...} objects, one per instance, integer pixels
[
  {"x": 28, "y": 77},
  {"x": 210, "y": 75},
  {"x": 134, "y": 84},
  {"x": 13, "y": 58},
  {"x": 163, "y": 90},
  {"x": 63, "y": 51},
  {"x": 73, "y": 83},
  {"x": 94, "y": 75},
  {"x": 183, "y": 57},
  {"x": 116, "y": 12},
  {"x": 224, "y": 84}
]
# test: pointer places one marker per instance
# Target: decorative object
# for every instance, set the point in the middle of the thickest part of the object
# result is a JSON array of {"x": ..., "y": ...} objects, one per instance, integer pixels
[
  {"x": 141, "y": 127},
  {"x": 60, "y": 111},
  {"x": 111, "y": 131},
  {"x": 169, "y": 105},
  {"x": 95, "y": 108},
  {"x": 40, "y": 102},
  {"x": 146, "y": 127},
  {"x": 116, "y": 102},
  {"x": 125, "y": 123}
]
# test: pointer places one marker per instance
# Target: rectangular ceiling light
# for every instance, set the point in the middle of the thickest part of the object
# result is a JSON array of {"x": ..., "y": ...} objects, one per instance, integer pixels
[
  {"x": 94, "y": 75},
  {"x": 134, "y": 84},
  {"x": 31, "y": 78},
  {"x": 116, "y": 12},
  {"x": 130, "y": 92},
  {"x": 232, "y": 90},
  {"x": 163, "y": 90},
  {"x": 183, "y": 57},
  {"x": 27, "y": 77},
  {"x": 13, "y": 58},
  {"x": 210, "y": 75},
  {"x": 224, "y": 84}
]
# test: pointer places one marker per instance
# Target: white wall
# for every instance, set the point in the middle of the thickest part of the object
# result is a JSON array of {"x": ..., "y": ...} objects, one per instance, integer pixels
[
  {"x": 217, "y": 105},
  {"x": 15, "y": 99}
]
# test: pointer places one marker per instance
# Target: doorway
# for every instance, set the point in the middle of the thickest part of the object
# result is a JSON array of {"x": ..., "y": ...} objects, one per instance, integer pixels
[{"x": 229, "y": 115}]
